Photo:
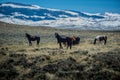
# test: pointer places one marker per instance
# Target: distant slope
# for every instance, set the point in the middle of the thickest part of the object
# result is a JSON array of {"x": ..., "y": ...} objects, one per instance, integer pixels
[{"x": 35, "y": 15}]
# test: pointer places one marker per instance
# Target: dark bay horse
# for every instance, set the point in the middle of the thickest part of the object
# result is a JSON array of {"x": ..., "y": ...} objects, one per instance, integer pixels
[
  {"x": 66, "y": 40},
  {"x": 101, "y": 38},
  {"x": 75, "y": 40},
  {"x": 32, "y": 38}
]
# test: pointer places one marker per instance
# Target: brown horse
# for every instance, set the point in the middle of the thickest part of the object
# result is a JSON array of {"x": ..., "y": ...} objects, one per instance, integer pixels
[
  {"x": 101, "y": 38},
  {"x": 75, "y": 40}
]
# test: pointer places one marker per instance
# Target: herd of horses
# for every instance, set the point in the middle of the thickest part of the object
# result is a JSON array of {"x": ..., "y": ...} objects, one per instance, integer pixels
[{"x": 66, "y": 40}]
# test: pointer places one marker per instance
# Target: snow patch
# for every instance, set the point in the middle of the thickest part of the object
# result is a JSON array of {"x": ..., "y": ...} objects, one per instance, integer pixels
[
  {"x": 70, "y": 12},
  {"x": 91, "y": 14},
  {"x": 18, "y": 14},
  {"x": 35, "y": 16}
]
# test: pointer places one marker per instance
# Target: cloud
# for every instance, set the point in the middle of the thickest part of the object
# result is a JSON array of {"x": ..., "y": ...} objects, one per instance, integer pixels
[{"x": 20, "y": 6}]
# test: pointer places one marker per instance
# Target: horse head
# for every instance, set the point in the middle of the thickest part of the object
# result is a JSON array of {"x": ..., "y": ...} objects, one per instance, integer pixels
[
  {"x": 26, "y": 34},
  {"x": 56, "y": 35}
]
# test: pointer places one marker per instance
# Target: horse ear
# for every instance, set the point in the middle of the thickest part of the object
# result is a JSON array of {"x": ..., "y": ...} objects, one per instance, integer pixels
[
  {"x": 25, "y": 32},
  {"x": 55, "y": 33}
]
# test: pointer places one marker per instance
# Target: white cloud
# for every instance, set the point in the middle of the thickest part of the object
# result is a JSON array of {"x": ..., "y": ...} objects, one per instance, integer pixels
[{"x": 20, "y": 6}]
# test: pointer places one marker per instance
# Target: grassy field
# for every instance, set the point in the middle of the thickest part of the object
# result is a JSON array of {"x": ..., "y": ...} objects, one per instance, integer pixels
[{"x": 85, "y": 61}]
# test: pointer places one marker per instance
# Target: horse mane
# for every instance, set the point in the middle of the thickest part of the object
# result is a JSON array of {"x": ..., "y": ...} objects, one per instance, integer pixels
[
  {"x": 57, "y": 36},
  {"x": 27, "y": 34}
]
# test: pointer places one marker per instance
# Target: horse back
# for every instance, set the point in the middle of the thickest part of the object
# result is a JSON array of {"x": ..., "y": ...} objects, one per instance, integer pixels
[{"x": 33, "y": 38}]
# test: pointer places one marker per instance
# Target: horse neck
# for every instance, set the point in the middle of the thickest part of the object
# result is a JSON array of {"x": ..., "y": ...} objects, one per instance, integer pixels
[
  {"x": 57, "y": 36},
  {"x": 95, "y": 41},
  {"x": 28, "y": 35}
]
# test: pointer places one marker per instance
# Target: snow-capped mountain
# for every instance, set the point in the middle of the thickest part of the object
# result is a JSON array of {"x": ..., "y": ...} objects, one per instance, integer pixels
[{"x": 34, "y": 15}]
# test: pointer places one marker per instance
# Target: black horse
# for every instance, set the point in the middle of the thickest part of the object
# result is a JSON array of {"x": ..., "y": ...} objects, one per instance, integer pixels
[
  {"x": 32, "y": 38},
  {"x": 101, "y": 38},
  {"x": 66, "y": 40},
  {"x": 76, "y": 40}
]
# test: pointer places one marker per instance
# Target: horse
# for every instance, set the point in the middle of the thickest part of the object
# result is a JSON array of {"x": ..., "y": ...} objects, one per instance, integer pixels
[
  {"x": 66, "y": 40},
  {"x": 101, "y": 38},
  {"x": 32, "y": 38},
  {"x": 75, "y": 40}
]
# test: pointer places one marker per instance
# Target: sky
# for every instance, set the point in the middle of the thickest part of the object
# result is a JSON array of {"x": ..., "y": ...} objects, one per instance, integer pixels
[{"x": 90, "y": 6}]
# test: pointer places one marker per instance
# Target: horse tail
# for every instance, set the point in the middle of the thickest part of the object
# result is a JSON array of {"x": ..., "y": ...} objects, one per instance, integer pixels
[{"x": 95, "y": 41}]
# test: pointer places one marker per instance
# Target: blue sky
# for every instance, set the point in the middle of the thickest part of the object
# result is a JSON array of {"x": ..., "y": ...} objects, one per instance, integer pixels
[{"x": 91, "y": 6}]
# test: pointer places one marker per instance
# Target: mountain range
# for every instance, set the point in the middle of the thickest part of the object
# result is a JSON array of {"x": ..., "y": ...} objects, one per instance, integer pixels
[{"x": 34, "y": 15}]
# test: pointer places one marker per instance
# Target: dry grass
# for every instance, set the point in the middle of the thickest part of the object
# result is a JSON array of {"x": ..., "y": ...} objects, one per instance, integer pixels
[{"x": 84, "y": 55}]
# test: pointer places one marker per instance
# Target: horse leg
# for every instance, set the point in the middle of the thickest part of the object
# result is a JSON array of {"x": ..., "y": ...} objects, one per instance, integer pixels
[
  {"x": 95, "y": 41},
  {"x": 30, "y": 43},
  {"x": 70, "y": 46},
  {"x": 60, "y": 45},
  {"x": 71, "y": 42},
  {"x": 38, "y": 41},
  {"x": 67, "y": 46},
  {"x": 105, "y": 40}
]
